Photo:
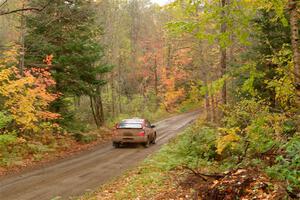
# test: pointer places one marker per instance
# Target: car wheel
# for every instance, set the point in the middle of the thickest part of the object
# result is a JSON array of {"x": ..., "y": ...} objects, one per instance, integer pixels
[
  {"x": 154, "y": 139},
  {"x": 116, "y": 144},
  {"x": 147, "y": 144}
]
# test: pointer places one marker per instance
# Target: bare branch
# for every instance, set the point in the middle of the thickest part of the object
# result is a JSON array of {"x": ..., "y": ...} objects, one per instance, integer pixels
[
  {"x": 23, "y": 9},
  {"x": 3, "y": 3}
]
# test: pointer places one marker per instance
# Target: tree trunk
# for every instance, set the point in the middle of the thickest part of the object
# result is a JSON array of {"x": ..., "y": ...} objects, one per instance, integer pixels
[
  {"x": 97, "y": 108},
  {"x": 119, "y": 85},
  {"x": 207, "y": 103},
  {"x": 155, "y": 77},
  {"x": 22, "y": 42},
  {"x": 294, "y": 19},
  {"x": 223, "y": 59},
  {"x": 207, "y": 107},
  {"x": 156, "y": 83},
  {"x": 113, "y": 95},
  {"x": 168, "y": 66},
  {"x": 134, "y": 31},
  {"x": 213, "y": 108}
]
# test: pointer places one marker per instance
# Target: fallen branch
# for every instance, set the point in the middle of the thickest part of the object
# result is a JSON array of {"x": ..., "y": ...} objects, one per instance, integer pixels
[{"x": 202, "y": 175}]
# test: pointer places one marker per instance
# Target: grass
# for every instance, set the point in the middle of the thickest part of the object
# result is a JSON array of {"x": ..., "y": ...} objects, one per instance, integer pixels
[{"x": 143, "y": 182}]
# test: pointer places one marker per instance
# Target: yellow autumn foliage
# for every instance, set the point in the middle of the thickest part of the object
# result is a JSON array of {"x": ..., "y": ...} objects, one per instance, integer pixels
[
  {"x": 25, "y": 97},
  {"x": 229, "y": 138}
]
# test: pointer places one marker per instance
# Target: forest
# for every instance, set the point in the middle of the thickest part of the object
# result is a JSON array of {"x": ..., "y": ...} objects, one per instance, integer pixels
[{"x": 71, "y": 69}]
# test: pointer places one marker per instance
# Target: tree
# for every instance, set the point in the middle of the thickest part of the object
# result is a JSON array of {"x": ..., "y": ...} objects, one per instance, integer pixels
[
  {"x": 223, "y": 61},
  {"x": 26, "y": 97},
  {"x": 293, "y": 6},
  {"x": 68, "y": 31}
]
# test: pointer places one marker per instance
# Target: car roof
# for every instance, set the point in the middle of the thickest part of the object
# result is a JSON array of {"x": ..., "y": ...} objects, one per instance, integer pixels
[{"x": 133, "y": 120}]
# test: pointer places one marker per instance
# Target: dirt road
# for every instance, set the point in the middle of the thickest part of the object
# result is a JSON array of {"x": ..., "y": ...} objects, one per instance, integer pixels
[{"x": 87, "y": 171}]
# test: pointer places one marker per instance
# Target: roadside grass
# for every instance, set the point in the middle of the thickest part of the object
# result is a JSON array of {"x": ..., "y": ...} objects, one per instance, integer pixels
[
  {"x": 143, "y": 182},
  {"x": 189, "y": 167}
]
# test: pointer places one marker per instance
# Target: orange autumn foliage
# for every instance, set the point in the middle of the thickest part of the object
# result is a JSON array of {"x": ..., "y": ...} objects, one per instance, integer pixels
[
  {"x": 173, "y": 77},
  {"x": 48, "y": 60},
  {"x": 171, "y": 93}
]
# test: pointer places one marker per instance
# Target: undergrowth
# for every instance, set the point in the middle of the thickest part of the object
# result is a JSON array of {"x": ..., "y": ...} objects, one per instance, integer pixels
[{"x": 205, "y": 149}]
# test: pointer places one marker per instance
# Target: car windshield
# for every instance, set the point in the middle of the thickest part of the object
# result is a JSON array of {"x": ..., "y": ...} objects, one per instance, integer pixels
[{"x": 129, "y": 125}]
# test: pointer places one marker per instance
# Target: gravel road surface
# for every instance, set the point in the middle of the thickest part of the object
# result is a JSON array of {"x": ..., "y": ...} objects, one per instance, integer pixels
[{"x": 86, "y": 171}]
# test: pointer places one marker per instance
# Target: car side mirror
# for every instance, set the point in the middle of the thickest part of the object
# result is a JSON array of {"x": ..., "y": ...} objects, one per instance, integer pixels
[{"x": 153, "y": 126}]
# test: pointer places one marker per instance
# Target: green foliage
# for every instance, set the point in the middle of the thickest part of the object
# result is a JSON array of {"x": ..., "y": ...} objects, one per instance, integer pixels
[
  {"x": 7, "y": 139},
  {"x": 242, "y": 113},
  {"x": 214, "y": 87},
  {"x": 282, "y": 83},
  {"x": 195, "y": 147},
  {"x": 289, "y": 127},
  {"x": 266, "y": 72},
  {"x": 258, "y": 128},
  {"x": 189, "y": 20},
  {"x": 275, "y": 6},
  {"x": 73, "y": 125},
  {"x": 38, "y": 148},
  {"x": 287, "y": 165},
  {"x": 258, "y": 135},
  {"x": 194, "y": 97},
  {"x": 85, "y": 138},
  {"x": 136, "y": 106},
  {"x": 5, "y": 119},
  {"x": 252, "y": 74}
]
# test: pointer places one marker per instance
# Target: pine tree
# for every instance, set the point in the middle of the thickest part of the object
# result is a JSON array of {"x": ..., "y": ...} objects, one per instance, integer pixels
[{"x": 68, "y": 31}]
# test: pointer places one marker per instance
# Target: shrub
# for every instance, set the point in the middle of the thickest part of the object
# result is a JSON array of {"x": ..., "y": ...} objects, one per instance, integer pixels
[
  {"x": 37, "y": 148},
  {"x": 85, "y": 138},
  {"x": 194, "y": 148},
  {"x": 287, "y": 165},
  {"x": 5, "y": 119},
  {"x": 7, "y": 139},
  {"x": 262, "y": 138},
  {"x": 257, "y": 130}
]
